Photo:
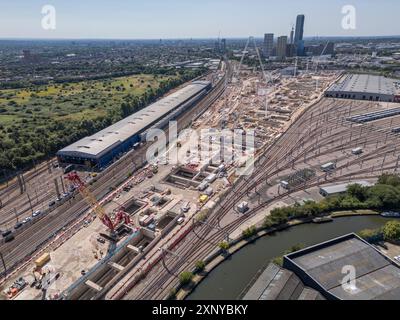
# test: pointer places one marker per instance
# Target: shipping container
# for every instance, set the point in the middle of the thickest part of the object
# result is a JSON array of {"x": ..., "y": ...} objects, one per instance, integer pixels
[
  {"x": 211, "y": 178},
  {"x": 357, "y": 151},
  {"x": 328, "y": 166},
  {"x": 209, "y": 191},
  {"x": 243, "y": 207},
  {"x": 203, "y": 186},
  {"x": 42, "y": 260},
  {"x": 143, "y": 219},
  {"x": 285, "y": 184}
]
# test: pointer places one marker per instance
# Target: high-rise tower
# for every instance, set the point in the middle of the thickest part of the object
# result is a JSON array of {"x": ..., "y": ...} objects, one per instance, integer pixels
[
  {"x": 298, "y": 37},
  {"x": 268, "y": 44}
]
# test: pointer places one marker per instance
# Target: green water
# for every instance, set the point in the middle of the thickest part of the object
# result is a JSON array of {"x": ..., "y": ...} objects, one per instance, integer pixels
[{"x": 233, "y": 275}]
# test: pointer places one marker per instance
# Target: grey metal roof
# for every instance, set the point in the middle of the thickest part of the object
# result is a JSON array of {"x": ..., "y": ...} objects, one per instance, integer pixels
[
  {"x": 340, "y": 188},
  {"x": 275, "y": 283},
  {"x": 98, "y": 144},
  {"x": 365, "y": 83},
  {"x": 377, "y": 277}
]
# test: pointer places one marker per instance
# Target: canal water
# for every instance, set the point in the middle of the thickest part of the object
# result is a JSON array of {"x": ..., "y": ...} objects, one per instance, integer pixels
[{"x": 232, "y": 276}]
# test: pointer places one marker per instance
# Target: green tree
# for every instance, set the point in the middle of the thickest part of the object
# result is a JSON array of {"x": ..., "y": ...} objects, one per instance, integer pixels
[
  {"x": 357, "y": 191},
  {"x": 389, "y": 179},
  {"x": 391, "y": 231},
  {"x": 200, "y": 265},
  {"x": 249, "y": 232},
  {"x": 185, "y": 277},
  {"x": 371, "y": 235},
  {"x": 223, "y": 245}
]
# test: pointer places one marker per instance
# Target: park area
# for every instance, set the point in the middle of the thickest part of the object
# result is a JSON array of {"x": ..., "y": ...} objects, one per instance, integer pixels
[{"x": 37, "y": 121}]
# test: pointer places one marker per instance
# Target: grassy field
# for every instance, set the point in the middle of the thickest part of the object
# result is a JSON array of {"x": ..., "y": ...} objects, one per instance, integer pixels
[{"x": 74, "y": 101}]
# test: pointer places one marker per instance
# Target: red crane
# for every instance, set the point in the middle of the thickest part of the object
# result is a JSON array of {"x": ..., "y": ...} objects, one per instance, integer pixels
[{"x": 96, "y": 206}]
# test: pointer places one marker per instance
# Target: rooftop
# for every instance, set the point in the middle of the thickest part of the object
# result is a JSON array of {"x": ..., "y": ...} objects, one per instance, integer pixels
[
  {"x": 377, "y": 277},
  {"x": 275, "y": 283},
  {"x": 104, "y": 140},
  {"x": 340, "y": 188},
  {"x": 365, "y": 83}
]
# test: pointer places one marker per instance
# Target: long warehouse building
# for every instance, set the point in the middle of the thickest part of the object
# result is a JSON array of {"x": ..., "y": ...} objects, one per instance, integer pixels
[
  {"x": 101, "y": 149},
  {"x": 365, "y": 87}
]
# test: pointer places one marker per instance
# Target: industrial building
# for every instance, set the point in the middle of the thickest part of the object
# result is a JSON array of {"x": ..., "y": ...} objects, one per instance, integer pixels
[
  {"x": 341, "y": 188},
  {"x": 99, "y": 150},
  {"x": 317, "y": 273},
  {"x": 321, "y": 268},
  {"x": 365, "y": 87},
  {"x": 368, "y": 117},
  {"x": 275, "y": 283}
]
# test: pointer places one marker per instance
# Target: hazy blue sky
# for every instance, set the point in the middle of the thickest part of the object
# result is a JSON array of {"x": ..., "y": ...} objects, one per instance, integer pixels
[{"x": 134, "y": 19}]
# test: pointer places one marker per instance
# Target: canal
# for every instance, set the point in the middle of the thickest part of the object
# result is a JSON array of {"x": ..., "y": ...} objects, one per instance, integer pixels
[{"x": 228, "y": 279}]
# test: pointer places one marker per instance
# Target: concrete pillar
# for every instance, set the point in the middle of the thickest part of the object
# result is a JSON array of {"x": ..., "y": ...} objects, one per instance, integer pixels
[
  {"x": 56, "y": 186},
  {"x": 116, "y": 266},
  {"x": 93, "y": 285}
]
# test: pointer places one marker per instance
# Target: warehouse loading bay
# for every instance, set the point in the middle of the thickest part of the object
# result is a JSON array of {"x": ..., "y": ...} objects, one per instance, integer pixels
[{"x": 162, "y": 199}]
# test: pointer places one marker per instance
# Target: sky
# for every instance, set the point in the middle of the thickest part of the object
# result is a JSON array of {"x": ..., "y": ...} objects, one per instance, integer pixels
[{"x": 163, "y": 19}]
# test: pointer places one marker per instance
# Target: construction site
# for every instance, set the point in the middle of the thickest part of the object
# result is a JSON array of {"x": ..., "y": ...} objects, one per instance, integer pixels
[
  {"x": 126, "y": 232},
  {"x": 156, "y": 205}
]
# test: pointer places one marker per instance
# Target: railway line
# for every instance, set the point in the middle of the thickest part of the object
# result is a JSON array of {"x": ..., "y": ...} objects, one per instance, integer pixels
[
  {"x": 28, "y": 242},
  {"x": 204, "y": 240}
]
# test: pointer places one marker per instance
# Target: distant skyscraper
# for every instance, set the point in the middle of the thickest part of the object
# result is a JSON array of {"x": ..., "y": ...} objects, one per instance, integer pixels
[
  {"x": 292, "y": 36},
  {"x": 281, "y": 47},
  {"x": 223, "y": 45},
  {"x": 299, "y": 28},
  {"x": 268, "y": 44},
  {"x": 298, "y": 37},
  {"x": 291, "y": 48}
]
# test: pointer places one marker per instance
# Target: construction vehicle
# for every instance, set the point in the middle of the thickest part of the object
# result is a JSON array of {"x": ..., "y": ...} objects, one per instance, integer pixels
[
  {"x": 16, "y": 287},
  {"x": 74, "y": 178}
]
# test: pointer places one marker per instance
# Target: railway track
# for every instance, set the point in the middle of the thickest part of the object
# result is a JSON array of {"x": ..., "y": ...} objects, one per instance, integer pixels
[
  {"x": 204, "y": 240},
  {"x": 31, "y": 240}
]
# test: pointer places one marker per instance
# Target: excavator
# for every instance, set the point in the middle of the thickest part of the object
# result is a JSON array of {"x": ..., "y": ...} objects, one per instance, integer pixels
[{"x": 121, "y": 216}]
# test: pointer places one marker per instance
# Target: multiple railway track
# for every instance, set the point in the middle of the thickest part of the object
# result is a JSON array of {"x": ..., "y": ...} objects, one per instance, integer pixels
[
  {"x": 29, "y": 242},
  {"x": 320, "y": 131}
]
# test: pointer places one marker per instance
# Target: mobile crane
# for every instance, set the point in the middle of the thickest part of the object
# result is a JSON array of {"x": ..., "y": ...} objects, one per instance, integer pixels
[{"x": 74, "y": 178}]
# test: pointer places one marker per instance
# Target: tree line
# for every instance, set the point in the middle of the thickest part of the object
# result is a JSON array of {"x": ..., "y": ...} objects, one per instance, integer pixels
[
  {"x": 22, "y": 149},
  {"x": 385, "y": 195}
]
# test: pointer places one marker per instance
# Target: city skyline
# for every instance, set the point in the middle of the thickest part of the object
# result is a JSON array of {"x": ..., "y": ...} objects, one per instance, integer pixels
[{"x": 179, "y": 19}]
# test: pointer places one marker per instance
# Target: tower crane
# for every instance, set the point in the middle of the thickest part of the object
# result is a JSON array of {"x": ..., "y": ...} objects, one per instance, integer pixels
[{"x": 74, "y": 178}]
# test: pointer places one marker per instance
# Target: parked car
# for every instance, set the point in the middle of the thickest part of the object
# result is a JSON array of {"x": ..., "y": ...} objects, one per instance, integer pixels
[
  {"x": 51, "y": 204},
  {"x": 6, "y": 233},
  {"x": 26, "y": 220},
  {"x": 18, "y": 225},
  {"x": 9, "y": 238},
  {"x": 36, "y": 213}
]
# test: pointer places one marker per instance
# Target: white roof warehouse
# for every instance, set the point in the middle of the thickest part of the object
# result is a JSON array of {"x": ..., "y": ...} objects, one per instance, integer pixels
[
  {"x": 101, "y": 148},
  {"x": 341, "y": 188}
]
